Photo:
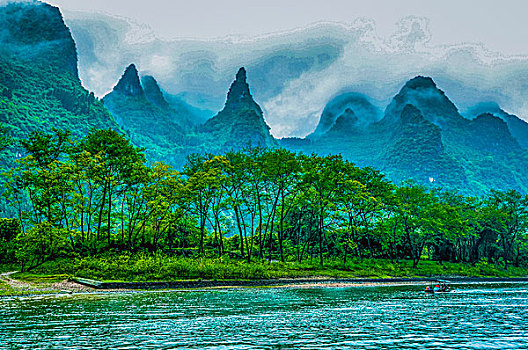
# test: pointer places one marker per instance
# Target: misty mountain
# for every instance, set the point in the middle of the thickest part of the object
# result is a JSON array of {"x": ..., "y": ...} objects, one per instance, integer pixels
[
  {"x": 35, "y": 32},
  {"x": 39, "y": 86},
  {"x": 434, "y": 105},
  {"x": 295, "y": 73},
  {"x": 241, "y": 122},
  {"x": 169, "y": 132},
  {"x": 421, "y": 134},
  {"x": 518, "y": 127},
  {"x": 423, "y": 137},
  {"x": 346, "y": 112}
]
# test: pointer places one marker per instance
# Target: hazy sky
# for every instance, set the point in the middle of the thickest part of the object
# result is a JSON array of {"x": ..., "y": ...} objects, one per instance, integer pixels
[
  {"x": 500, "y": 25},
  {"x": 437, "y": 38}
]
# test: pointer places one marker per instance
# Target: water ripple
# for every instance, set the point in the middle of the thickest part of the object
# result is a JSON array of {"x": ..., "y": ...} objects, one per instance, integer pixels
[{"x": 476, "y": 317}]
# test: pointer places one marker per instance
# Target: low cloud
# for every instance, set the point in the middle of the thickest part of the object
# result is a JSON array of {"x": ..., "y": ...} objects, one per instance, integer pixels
[{"x": 294, "y": 74}]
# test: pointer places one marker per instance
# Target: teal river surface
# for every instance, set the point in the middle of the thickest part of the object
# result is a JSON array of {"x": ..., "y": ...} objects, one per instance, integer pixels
[{"x": 476, "y": 316}]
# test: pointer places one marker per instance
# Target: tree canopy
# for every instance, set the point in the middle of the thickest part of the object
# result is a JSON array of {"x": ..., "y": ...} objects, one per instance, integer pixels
[{"x": 96, "y": 194}]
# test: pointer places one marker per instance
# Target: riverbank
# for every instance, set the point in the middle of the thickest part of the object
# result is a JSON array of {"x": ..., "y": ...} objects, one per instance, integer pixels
[
  {"x": 133, "y": 272},
  {"x": 10, "y": 285},
  {"x": 297, "y": 283},
  {"x": 53, "y": 285}
]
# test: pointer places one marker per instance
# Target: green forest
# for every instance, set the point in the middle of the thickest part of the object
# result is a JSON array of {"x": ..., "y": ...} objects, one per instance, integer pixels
[{"x": 96, "y": 197}]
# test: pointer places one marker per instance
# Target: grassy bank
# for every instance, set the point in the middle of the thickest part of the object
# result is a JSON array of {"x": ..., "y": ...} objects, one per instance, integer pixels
[
  {"x": 142, "y": 268},
  {"x": 30, "y": 284}
]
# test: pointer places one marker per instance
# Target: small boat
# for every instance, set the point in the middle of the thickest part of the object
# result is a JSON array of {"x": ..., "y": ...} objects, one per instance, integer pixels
[{"x": 438, "y": 286}]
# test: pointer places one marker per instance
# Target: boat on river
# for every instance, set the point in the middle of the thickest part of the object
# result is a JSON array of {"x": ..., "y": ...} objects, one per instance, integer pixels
[{"x": 438, "y": 286}]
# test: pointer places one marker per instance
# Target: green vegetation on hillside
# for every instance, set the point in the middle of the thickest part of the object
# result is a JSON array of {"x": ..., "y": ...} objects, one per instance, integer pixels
[
  {"x": 153, "y": 128},
  {"x": 40, "y": 97}
]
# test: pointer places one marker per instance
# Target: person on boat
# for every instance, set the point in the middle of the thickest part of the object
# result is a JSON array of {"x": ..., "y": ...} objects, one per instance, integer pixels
[
  {"x": 437, "y": 288},
  {"x": 427, "y": 289}
]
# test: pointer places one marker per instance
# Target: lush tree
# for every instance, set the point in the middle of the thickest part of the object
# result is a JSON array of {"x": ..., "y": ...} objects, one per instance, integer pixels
[
  {"x": 418, "y": 216},
  {"x": 118, "y": 164},
  {"x": 321, "y": 180},
  {"x": 509, "y": 220}
]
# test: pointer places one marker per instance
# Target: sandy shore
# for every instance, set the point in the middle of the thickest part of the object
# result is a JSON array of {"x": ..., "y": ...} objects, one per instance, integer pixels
[{"x": 17, "y": 287}]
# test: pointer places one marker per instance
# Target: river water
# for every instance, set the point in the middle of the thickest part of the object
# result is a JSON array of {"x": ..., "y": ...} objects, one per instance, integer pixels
[{"x": 476, "y": 316}]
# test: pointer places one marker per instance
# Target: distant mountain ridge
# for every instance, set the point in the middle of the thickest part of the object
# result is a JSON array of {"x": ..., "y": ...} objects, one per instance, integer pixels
[
  {"x": 169, "y": 133},
  {"x": 422, "y": 136},
  {"x": 518, "y": 127}
]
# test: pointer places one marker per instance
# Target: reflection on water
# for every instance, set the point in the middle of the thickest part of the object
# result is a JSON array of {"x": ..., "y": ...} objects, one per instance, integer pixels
[{"x": 474, "y": 317}]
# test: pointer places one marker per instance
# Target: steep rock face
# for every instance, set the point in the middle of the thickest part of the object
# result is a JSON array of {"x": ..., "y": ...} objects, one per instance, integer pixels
[
  {"x": 365, "y": 113},
  {"x": 241, "y": 122},
  {"x": 129, "y": 84},
  {"x": 35, "y": 31},
  {"x": 434, "y": 105},
  {"x": 148, "y": 119},
  {"x": 153, "y": 92},
  {"x": 39, "y": 86}
]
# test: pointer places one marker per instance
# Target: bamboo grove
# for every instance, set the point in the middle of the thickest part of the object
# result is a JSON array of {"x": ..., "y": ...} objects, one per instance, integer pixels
[{"x": 98, "y": 194}]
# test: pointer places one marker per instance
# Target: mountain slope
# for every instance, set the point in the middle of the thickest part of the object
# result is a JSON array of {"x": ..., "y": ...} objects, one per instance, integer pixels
[
  {"x": 39, "y": 87},
  {"x": 240, "y": 123},
  {"x": 147, "y": 118},
  {"x": 35, "y": 32}
]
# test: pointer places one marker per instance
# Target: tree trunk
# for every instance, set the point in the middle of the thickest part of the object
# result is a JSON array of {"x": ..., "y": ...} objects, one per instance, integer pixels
[
  {"x": 321, "y": 238},
  {"x": 281, "y": 232},
  {"x": 100, "y": 218},
  {"x": 237, "y": 216},
  {"x": 109, "y": 215},
  {"x": 202, "y": 232}
]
